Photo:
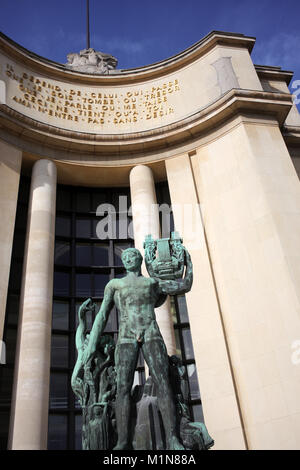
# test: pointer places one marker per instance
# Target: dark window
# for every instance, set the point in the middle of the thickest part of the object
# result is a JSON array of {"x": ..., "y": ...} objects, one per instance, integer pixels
[
  {"x": 63, "y": 200},
  {"x": 59, "y": 351},
  {"x": 84, "y": 264},
  {"x": 61, "y": 283},
  {"x": 60, "y": 317},
  {"x": 59, "y": 390},
  {"x": 62, "y": 253},
  {"x": 83, "y": 227},
  {"x": 57, "y": 431},
  {"x": 83, "y": 254},
  {"x": 100, "y": 282},
  {"x": 83, "y": 285},
  {"x": 63, "y": 226},
  {"x": 100, "y": 254},
  {"x": 83, "y": 202}
]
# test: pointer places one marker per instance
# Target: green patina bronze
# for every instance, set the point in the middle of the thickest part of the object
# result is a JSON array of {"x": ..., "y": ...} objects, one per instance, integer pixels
[{"x": 103, "y": 375}]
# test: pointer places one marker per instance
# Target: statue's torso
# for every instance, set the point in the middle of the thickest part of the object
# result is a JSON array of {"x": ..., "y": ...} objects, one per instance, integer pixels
[{"x": 135, "y": 298}]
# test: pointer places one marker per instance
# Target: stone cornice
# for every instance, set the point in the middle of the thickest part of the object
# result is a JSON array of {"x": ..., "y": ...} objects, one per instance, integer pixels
[
  {"x": 274, "y": 73},
  {"x": 232, "y": 103},
  {"x": 291, "y": 135},
  {"x": 58, "y": 71}
]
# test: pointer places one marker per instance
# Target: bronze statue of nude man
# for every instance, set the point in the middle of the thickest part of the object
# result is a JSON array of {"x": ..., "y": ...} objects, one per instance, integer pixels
[{"x": 136, "y": 296}]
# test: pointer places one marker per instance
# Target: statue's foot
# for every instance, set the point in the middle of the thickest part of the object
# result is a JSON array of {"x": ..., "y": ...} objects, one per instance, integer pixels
[
  {"x": 121, "y": 446},
  {"x": 175, "y": 444}
]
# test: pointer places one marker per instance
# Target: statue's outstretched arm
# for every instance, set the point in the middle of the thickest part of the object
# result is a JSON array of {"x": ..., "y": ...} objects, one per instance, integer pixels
[
  {"x": 179, "y": 286},
  {"x": 82, "y": 325},
  {"x": 100, "y": 321},
  {"x": 79, "y": 341}
]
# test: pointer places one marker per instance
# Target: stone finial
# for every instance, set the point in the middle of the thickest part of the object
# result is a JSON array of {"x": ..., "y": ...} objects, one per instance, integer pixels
[{"x": 91, "y": 61}]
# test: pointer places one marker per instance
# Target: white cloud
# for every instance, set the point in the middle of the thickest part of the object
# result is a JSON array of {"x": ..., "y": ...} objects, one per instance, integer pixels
[{"x": 281, "y": 50}]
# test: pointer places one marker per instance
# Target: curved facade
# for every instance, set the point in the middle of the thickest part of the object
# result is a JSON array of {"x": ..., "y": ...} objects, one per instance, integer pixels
[{"x": 223, "y": 137}]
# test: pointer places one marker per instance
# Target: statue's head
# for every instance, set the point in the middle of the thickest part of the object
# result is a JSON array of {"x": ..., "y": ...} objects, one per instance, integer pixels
[{"x": 132, "y": 259}]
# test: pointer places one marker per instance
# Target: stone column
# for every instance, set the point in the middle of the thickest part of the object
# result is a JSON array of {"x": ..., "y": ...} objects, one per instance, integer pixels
[
  {"x": 217, "y": 387},
  {"x": 145, "y": 221},
  {"x": 10, "y": 166},
  {"x": 29, "y": 415}
]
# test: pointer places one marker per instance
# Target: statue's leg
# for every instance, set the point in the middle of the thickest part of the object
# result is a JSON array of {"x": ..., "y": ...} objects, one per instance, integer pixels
[
  {"x": 156, "y": 356},
  {"x": 126, "y": 355}
]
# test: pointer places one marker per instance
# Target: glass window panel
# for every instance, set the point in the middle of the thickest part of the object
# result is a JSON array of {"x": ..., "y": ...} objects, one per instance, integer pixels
[
  {"x": 63, "y": 226},
  {"x": 24, "y": 189},
  {"x": 173, "y": 309},
  {"x": 188, "y": 345},
  {"x": 177, "y": 343},
  {"x": 62, "y": 253},
  {"x": 83, "y": 285},
  {"x": 121, "y": 200},
  {"x": 99, "y": 198},
  {"x": 21, "y": 217},
  {"x": 4, "y": 426},
  {"x": 59, "y": 351},
  {"x": 6, "y": 381},
  {"x": 61, "y": 283},
  {"x": 100, "y": 282},
  {"x": 100, "y": 256},
  {"x": 182, "y": 309},
  {"x": 193, "y": 381},
  {"x": 63, "y": 200},
  {"x": 12, "y": 309},
  {"x": 166, "y": 193},
  {"x": 78, "y": 431},
  {"x": 83, "y": 202},
  {"x": 83, "y": 254},
  {"x": 198, "y": 413},
  {"x": 18, "y": 245},
  {"x": 15, "y": 276},
  {"x": 10, "y": 340},
  {"x": 59, "y": 390},
  {"x": 57, "y": 432},
  {"x": 60, "y": 317},
  {"x": 83, "y": 228},
  {"x": 118, "y": 249}
]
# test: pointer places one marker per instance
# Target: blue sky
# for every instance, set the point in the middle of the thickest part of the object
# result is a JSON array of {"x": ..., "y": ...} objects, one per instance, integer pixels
[{"x": 142, "y": 32}]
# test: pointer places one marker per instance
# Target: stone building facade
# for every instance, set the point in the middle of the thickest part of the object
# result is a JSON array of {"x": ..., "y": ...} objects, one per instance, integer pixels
[{"x": 207, "y": 131}]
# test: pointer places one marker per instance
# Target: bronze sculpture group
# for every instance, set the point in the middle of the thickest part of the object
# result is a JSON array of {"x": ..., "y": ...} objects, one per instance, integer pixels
[{"x": 115, "y": 416}]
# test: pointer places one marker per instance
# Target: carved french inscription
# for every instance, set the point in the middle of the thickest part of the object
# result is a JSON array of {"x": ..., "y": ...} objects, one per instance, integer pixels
[{"x": 93, "y": 107}]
